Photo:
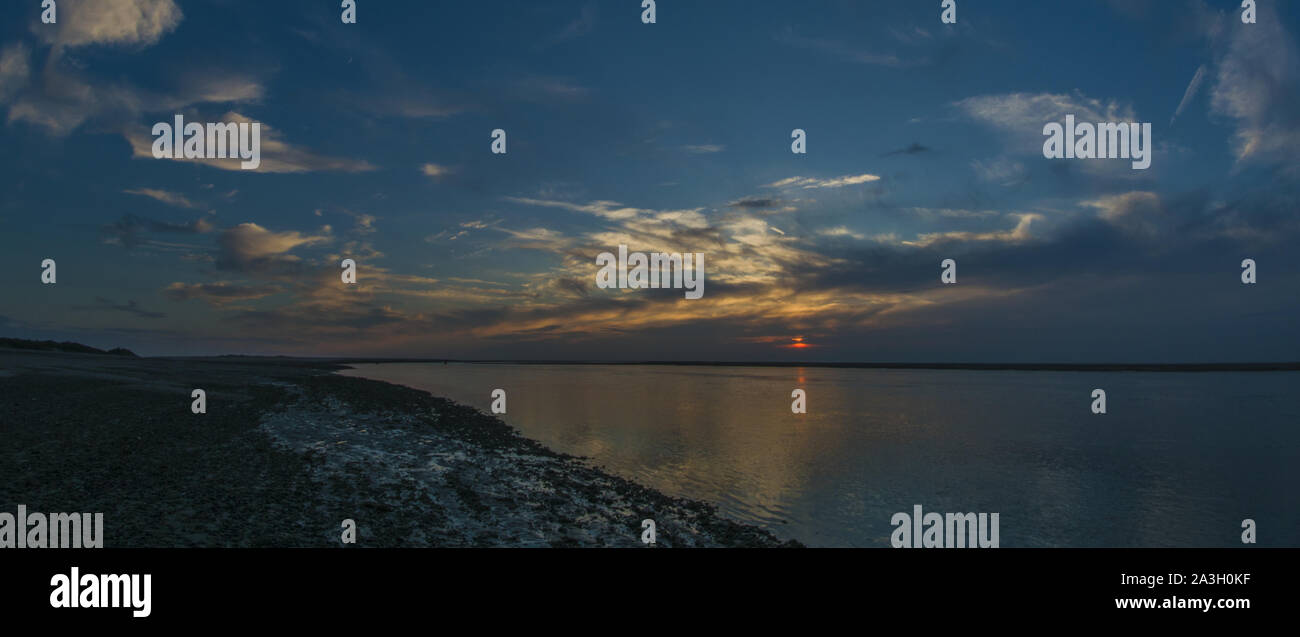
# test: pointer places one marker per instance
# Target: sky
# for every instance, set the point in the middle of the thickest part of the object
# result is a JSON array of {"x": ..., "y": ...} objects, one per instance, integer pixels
[{"x": 924, "y": 143}]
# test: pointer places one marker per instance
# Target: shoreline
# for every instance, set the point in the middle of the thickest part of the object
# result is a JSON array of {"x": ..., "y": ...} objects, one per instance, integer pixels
[{"x": 288, "y": 450}]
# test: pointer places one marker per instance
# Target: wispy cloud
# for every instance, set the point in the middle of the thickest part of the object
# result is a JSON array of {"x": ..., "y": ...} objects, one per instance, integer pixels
[
  {"x": 807, "y": 183},
  {"x": 549, "y": 89},
  {"x": 579, "y": 26},
  {"x": 219, "y": 293},
  {"x": 1019, "y": 233},
  {"x": 130, "y": 230},
  {"x": 841, "y": 50},
  {"x": 130, "y": 307},
  {"x": 278, "y": 156},
  {"x": 435, "y": 171},
  {"x": 15, "y": 66},
  {"x": 1002, "y": 171},
  {"x": 1024, "y": 114},
  {"x": 163, "y": 196},
  {"x": 249, "y": 246}
]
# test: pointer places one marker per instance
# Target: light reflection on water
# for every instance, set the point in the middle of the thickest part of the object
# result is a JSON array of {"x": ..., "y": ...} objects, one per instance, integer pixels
[{"x": 1179, "y": 460}]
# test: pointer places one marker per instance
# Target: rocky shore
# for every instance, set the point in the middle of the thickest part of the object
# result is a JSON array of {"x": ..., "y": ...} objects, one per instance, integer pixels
[{"x": 287, "y": 451}]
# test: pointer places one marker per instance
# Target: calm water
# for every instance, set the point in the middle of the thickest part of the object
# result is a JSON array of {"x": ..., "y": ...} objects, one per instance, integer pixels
[{"x": 1180, "y": 459}]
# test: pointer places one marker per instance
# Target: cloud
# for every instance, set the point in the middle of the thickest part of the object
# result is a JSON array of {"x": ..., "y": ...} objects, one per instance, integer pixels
[
  {"x": 14, "y": 69},
  {"x": 320, "y": 321},
  {"x": 605, "y": 209},
  {"x": 391, "y": 91},
  {"x": 539, "y": 88},
  {"x": 543, "y": 237},
  {"x": 453, "y": 234},
  {"x": 215, "y": 88},
  {"x": 1019, "y": 233},
  {"x": 952, "y": 213},
  {"x": 912, "y": 149},
  {"x": 915, "y": 36},
  {"x": 1002, "y": 171},
  {"x": 122, "y": 22},
  {"x": 840, "y": 231},
  {"x": 814, "y": 281},
  {"x": 812, "y": 182},
  {"x": 1019, "y": 118},
  {"x": 1022, "y": 115},
  {"x": 365, "y": 223},
  {"x": 219, "y": 293},
  {"x": 838, "y": 281},
  {"x": 60, "y": 99},
  {"x": 841, "y": 50},
  {"x": 249, "y": 246},
  {"x": 847, "y": 265},
  {"x": 755, "y": 203},
  {"x": 580, "y": 26},
  {"x": 1138, "y": 212},
  {"x": 130, "y": 307},
  {"x": 427, "y": 106},
  {"x": 278, "y": 156},
  {"x": 169, "y": 198},
  {"x": 1257, "y": 85},
  {"x": 742, "y": 247},
  {"x": 435, "y": 171},
  {"x": 128, "y": 230}
]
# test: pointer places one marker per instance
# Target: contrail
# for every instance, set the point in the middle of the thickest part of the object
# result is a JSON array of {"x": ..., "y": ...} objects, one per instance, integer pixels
[{"x": 1194, "y": 86}]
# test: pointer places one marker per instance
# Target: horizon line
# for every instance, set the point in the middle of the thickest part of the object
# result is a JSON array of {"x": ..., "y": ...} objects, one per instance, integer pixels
[{"x": 1111, "y": 366}]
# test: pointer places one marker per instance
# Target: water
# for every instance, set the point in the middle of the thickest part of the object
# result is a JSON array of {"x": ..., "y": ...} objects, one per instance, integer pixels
[{"x": 1180, "y": 459}]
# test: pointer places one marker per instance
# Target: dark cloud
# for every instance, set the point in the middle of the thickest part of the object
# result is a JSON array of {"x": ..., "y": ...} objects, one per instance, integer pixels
[
  {"x": 912, "y": 149},
  {"x": 130, "y": 307},
  {"x": 217, "y": 293},
  {"x": 755, "y": 203},
  {"x": 572, "y": 286},
  {"x": 307, "y": 319},
  {"x": 128, "y": 230}
]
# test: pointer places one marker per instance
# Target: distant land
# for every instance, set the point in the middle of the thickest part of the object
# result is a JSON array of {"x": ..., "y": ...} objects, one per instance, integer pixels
[
  {"x": 66, "y": 346},
  {"x": 1279, "y": 366},
  {"x": 1047, "y": 367}
]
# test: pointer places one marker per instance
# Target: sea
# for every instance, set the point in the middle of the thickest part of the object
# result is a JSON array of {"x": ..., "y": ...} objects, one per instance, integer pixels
[{"x": 1178, "y": 459}]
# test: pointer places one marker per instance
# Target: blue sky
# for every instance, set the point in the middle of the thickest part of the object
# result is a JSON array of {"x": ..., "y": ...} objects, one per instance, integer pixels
[{"x": 924, "y": 143}]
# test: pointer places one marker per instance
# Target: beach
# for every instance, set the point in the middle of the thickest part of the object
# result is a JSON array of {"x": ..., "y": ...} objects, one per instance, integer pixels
[{"x": 287, "y": 450}]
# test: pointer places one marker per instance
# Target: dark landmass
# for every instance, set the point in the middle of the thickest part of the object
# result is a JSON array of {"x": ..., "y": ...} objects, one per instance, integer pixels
[
  {"x": 288, "y": 450},
  {"x": 66, "y": 346}
]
